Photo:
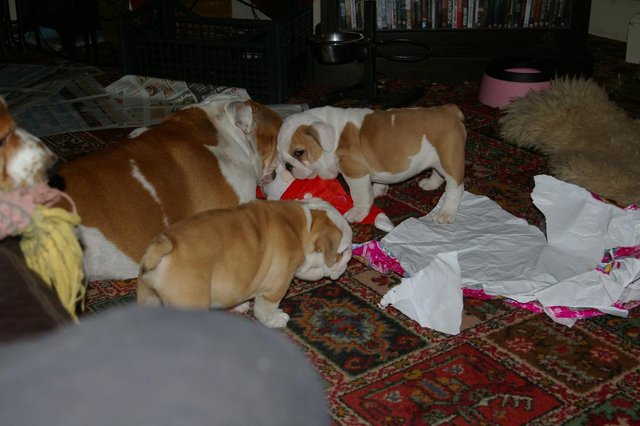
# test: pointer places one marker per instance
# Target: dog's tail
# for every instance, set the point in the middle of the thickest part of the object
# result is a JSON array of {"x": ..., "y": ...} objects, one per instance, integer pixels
[
  {"x": 146, "y": 294},
  {"x": 454, "y": 110}
]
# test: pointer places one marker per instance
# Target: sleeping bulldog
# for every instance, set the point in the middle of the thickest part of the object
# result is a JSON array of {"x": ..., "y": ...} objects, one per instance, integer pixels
[
  {"x": 375, "y": 148},
  {"x": 209, "y": 155}
]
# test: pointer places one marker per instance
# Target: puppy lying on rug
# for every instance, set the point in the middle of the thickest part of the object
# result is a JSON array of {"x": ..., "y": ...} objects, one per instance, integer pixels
[
  {"x": 591, "y": 142},
  {"x": 223, "y": 258},
  {"x": 210, "y": 155},
  {"x": 380, "y": 148}
]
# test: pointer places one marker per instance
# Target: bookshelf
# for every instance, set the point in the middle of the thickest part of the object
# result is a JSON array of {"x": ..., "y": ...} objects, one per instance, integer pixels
[{"x": 552, "y": 30}]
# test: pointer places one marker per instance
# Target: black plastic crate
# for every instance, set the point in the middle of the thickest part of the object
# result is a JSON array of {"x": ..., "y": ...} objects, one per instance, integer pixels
[{"x": 270, "y": 59}]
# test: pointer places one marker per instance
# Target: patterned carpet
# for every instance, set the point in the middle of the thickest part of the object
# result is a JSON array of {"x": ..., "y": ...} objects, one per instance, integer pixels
[{"x": 509, "y": 366}]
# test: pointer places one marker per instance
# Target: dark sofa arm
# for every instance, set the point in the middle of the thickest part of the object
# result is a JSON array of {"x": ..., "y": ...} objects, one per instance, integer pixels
[{"x": 27, "y": 305}]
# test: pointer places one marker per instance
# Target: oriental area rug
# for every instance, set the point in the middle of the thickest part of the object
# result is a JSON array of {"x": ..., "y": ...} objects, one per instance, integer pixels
[{"x": 508, "y": 366}]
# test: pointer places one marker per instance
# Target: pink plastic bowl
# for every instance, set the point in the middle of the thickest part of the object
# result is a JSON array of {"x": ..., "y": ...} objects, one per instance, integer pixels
[{"x": 505, "y": 80}]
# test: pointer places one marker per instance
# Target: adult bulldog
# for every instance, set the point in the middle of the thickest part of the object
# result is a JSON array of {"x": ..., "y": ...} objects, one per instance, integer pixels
[
  {"x": 24, "y": 158},
  {"x": 211, "y": 155},
  {"x": 375, "y": 148}
]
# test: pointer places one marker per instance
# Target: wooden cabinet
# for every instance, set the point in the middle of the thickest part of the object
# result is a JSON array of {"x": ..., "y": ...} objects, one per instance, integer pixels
[{"x": 562, "y": 41}]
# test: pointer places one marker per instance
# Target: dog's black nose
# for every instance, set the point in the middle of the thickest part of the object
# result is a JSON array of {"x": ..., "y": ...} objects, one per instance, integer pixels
[
  {"x": 288, "y": 166},
  {"x": 55, "y": 180},
  {"x": 273, "y": 175},
  {"x": 54, "y": 168}
]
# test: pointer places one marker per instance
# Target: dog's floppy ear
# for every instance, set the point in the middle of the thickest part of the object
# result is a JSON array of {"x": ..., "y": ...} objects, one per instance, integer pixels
[
  {"x": 243, "y": 116},
  {"x": 7, "y": 125},
  {"x": 324, "y": 134},
  {"x": 325, "y": 236}
]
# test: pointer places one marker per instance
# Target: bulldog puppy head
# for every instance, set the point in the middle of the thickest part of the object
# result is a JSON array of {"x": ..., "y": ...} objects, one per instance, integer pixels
[
  {"x": 24, "y": 158},
  {"x": 329, "y": 247},
  {"x": 307, "y": 147}
]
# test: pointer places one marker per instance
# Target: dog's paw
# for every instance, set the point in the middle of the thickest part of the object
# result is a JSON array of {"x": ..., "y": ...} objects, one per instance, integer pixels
[
  {"x": 356, "y": 214},
  {"x": 380, "y": 189},
  {"x": 383, "y": 223},
  {"x": 279, "y": 319},
  {"x": 432, "y": 182},
  {"x": 242, "y": 308},
  {"x": 443, "y": 217}
]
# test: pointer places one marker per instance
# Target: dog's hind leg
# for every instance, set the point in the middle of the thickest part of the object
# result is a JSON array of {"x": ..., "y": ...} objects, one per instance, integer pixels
[
  {"x": 268, "y": 313},
  {"x": 147, "y": 296},
  {"x": 146, "y": 293},
  {"x": 453, "y": 193},
  {"x": 432, "y": 182},
  {"x": 380, "y": 190},
  {"x": 242, "y": 308}
]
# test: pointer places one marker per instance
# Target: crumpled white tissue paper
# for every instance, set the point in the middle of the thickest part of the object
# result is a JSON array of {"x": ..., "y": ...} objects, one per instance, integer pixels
[
  {"x": 505, "y": 256},
  {"x": 423, "y": 302}
]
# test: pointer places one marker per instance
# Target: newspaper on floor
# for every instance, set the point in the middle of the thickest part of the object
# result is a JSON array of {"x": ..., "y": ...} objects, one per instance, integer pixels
[
  {"x": 147, "y": 100},
  {"x": 49, "y": 100}
]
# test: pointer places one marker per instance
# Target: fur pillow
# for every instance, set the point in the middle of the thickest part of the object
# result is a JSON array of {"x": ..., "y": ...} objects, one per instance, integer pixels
[{"x": 590, "y": 141}]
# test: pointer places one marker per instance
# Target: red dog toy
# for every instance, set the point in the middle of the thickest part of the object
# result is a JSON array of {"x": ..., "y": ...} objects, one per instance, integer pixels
[{"x": 286, "y": 187}]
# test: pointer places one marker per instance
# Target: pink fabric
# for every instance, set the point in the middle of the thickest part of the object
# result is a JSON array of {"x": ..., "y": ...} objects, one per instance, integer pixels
[
  {"x": 377, "y": 258},
  {"x": 16, "y": 207}
]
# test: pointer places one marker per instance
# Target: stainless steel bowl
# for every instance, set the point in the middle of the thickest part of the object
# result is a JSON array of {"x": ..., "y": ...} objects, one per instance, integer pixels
[{"x": 336, "y": 48}]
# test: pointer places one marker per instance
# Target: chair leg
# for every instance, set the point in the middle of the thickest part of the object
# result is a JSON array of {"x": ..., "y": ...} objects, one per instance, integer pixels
[
  {"x": 94, "y": 47},
  {"x": 87, "y": 48}
]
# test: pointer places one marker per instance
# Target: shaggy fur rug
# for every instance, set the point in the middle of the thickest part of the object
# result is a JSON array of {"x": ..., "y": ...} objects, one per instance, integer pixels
[{"x": 590, "y": 141}]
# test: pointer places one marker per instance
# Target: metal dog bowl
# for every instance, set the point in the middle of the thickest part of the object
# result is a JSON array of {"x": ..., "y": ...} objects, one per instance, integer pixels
[{"x": 336, "y": 48}]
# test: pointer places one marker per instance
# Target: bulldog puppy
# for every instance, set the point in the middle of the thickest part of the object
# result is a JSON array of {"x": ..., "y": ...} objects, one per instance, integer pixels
[
  {"x": 24, "y": 158},
  {"x": 223, "y": 258},
  {"x": 375, "y": 148},
  {"x": 210, "y": 155}
]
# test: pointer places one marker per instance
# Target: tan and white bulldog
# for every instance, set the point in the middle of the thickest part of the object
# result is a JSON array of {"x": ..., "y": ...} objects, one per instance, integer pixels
[
  {"x": 223, "y": 258},
  {"x": 24, "y": 158},
  {"x": 375, "y": 148},
  {"x": 211, "y": 155}
]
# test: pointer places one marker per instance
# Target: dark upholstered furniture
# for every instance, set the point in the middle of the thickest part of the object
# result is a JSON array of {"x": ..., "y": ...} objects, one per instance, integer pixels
[{"x": 27, "y": 305}]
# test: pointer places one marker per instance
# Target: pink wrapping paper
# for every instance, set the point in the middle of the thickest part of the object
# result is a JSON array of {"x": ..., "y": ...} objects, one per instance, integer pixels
[{"x": 376, "y": 257}]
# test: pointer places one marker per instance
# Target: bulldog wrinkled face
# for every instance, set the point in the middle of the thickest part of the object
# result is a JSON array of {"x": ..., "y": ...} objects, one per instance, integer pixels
[
  {"x": 298, "y": 154},
  {"x": 321, "y": 270},
  {"x": 332, "y": 242},
  {"x": 305, "y": 149}
]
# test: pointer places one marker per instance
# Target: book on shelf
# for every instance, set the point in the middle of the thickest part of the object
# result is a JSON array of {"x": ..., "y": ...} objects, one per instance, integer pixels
[{"x": 456, "y": 14}]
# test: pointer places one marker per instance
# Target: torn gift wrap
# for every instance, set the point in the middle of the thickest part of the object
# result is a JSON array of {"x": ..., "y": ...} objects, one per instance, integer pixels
[
  {"x": 588, "y": 260},
  {"x": 423, "y": 302}
]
